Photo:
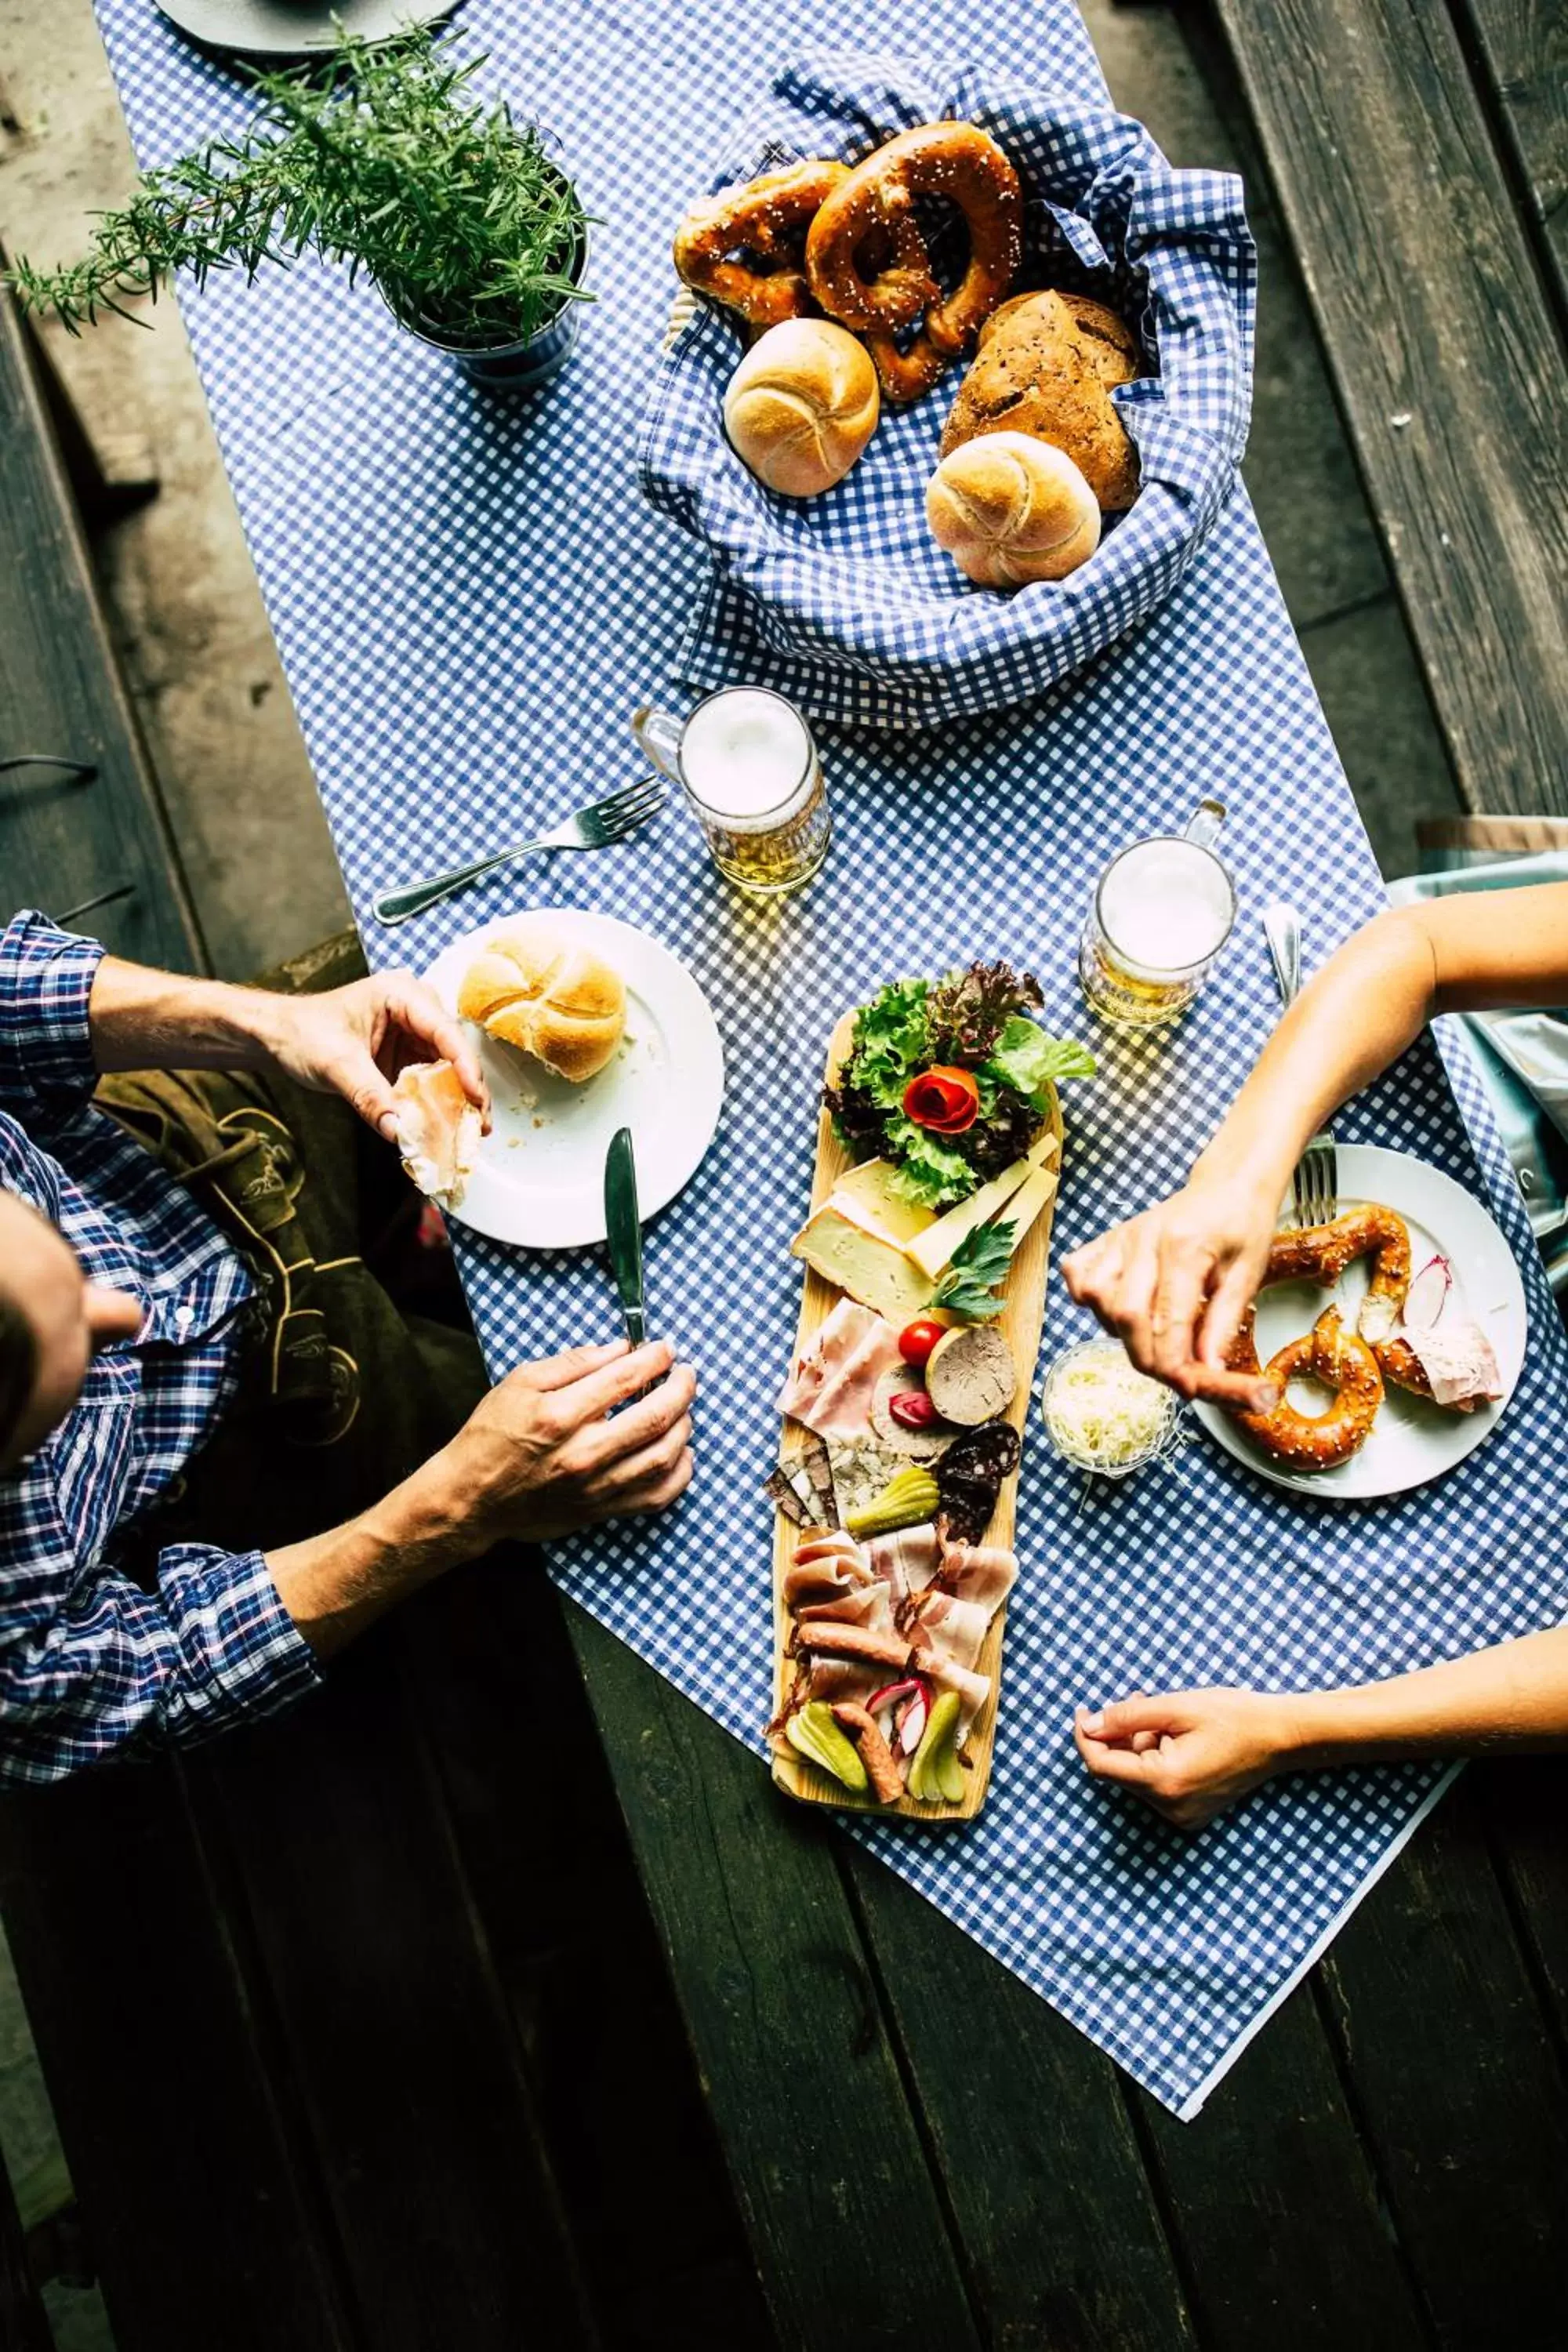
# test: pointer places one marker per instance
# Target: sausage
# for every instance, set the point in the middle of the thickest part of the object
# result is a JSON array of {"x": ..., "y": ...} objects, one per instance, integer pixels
[{"x": 881, "y": 1770}]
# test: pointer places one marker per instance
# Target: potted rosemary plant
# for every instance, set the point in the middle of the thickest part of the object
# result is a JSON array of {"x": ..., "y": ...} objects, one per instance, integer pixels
[{"x": 381, "y": 158}]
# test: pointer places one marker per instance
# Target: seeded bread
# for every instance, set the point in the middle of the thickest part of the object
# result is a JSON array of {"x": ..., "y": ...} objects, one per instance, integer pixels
[{"x": 1045, "y": 365}]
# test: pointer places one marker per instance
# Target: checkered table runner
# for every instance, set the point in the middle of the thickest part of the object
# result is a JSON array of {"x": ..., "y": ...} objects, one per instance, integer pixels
[{"x": 469, "y": 597}]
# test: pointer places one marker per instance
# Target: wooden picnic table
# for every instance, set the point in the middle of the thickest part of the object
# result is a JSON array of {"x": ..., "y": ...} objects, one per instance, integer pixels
[{"x": 361, "y": 2030}]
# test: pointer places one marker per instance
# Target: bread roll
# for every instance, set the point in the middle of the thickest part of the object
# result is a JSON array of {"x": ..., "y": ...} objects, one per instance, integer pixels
[
  {"x": 802, "y": 405},
  {"x": 1047, "y": 364},
  {"x": 1009, "y": 508},
  {"x": 531, "y": 987}
]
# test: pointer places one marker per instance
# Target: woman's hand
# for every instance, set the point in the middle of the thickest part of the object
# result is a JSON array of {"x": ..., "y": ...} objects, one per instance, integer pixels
[
  {"x": 1175, "y": 1282},
  {"x": 354, "y": 1042},
  {"x": 592, "y": 1434},
  {"x": 1190, "y": 1753}
]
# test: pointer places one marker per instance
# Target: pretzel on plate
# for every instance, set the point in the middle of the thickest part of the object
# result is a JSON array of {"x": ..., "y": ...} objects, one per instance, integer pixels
[
  {"x": 880, "y": 295},
  {"x": 1342, "y": 1362},
  {"x": 1321, "y": 1253},
  {"x": 765, "y": 220}
]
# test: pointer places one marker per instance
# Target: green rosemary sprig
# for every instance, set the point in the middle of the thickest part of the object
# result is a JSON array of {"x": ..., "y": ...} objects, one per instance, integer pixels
[{"x": 380, "y": 158}]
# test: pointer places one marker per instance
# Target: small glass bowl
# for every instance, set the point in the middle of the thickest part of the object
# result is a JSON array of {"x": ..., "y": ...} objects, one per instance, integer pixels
[{"x": 1165, "y": 1435}]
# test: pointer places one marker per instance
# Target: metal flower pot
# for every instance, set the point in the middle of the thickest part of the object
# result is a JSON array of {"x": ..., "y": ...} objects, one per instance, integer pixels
[{"x": 520, "y": 366}]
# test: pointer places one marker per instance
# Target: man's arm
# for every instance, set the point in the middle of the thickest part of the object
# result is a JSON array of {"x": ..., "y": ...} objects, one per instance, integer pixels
[
  {"x": 1174, "y": 1282},
  {"x": 1191, "y": 1753}
]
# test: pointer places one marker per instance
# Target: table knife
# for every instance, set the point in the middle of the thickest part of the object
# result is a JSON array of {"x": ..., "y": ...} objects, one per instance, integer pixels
[{"x": 624, "y": 1231}]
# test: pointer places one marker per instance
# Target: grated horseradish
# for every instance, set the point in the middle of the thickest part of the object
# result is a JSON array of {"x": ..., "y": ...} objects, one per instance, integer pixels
[{"x": 1100, "y": 1413}]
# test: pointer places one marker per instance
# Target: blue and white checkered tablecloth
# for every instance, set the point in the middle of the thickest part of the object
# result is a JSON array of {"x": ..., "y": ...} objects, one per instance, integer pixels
[{"x": 469, "y": 596}]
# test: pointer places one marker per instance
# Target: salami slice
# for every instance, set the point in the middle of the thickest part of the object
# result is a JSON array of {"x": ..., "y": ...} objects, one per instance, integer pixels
[
  {"x": 990, "y": 1452},
  {"x": 967, "y": 1507}
]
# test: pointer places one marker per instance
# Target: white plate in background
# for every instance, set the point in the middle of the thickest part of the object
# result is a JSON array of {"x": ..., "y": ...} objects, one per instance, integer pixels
[
  {"x": 1412, "y": 1440},
  {"x": 539, "y": 1180}
]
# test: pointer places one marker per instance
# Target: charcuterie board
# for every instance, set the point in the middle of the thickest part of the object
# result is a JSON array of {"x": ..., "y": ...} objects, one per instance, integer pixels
[{"x": 1021, "y": 1324}]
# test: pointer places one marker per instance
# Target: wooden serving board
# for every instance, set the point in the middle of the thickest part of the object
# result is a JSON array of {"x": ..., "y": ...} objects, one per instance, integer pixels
[{"x": 1022, "y": 1323}]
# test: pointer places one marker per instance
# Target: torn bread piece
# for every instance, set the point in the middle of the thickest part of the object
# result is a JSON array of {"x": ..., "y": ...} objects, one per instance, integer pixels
[{"x": 439, "y": 1131}]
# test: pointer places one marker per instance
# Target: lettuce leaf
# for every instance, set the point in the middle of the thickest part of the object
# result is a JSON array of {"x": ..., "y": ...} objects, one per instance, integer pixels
[
  {"x": 1028, "y": 1059},
  {"x": 889, "y": 1043},
  {"x": 929, "y": 1169}
]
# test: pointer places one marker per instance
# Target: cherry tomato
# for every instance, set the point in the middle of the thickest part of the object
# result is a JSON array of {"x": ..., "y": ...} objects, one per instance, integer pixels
[
  {"x": 945, "y": 1099},
  {"x": 917, "y": 1339}
]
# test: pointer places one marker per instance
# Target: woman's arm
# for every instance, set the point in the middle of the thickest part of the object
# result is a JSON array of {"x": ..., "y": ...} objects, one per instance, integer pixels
[
  {"x": 1175, "y": 1281},
  {"x": 1191, "y": 1753}
]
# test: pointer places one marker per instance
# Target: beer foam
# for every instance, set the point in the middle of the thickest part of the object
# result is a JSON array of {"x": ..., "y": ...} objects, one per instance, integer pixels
[
  {"x": 744, "y": 753},
  {"x": 1165, "y": 906}
]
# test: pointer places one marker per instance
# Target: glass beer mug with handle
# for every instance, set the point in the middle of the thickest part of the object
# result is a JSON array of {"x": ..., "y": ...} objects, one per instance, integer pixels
[
  {"x": 1163, "y": 910},
  {"x": 746, "y": 761}
]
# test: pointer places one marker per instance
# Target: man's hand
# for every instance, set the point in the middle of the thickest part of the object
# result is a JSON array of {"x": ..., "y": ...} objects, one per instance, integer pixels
[
  {"x": 547, "y": 1451},
  {"x": 1175, "y": 1282},
  {"x": 1190, "y": 1753},
  {"x": 354, "y": 1042}
]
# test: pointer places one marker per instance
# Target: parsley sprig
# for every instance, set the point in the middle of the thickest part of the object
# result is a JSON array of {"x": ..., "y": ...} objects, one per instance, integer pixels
[{"x": 980, "y": 1261}]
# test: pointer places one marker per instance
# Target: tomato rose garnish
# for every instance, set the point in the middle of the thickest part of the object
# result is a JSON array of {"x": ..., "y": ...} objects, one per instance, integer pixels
[{"x": 944, "y": 1099}]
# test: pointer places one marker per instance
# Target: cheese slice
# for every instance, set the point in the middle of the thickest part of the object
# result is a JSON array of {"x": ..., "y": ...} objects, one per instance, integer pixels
[
  {"x": 865, "y": 1196},
  {"x": 875, "y": 1272},
  {"x": 933, "y": 1249},
  {"x": 1027, "y": 1202}
]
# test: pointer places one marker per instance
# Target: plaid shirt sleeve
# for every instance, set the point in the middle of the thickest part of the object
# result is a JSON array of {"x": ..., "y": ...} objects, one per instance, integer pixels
[
  {"x": 115, "y": 1668},
  {"x": 46, "y": 1047}
]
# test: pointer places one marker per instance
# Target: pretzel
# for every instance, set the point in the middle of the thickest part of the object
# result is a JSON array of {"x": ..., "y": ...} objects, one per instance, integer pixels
[
  {"x": 1342, "y": 1362},
  {"x": 1321, "y": 1253},
  {"x": 956, "y": 160},
  {"x": 767, "y": 219}
]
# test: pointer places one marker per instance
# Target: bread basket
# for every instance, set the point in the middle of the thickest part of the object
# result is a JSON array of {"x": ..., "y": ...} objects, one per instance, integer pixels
[{"x": 844, "y": 601}]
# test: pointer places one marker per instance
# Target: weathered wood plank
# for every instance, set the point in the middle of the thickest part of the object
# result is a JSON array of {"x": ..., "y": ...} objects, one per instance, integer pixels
[
  {"x": 24, "y": 2323},
  {"x": 545, "y": 1851},
  {"x": 62, "y": 841},
  {"x": 783, "y": 2012},
  {"x": 1524, "y": 1802},
  {"x": 1523, "y": 45},
  {"x": 401, "y": 2052},
  {"x": 1444, "y": 353},
  {"x": 187, "y": 2179},
  {"x": 1458, "y": 2083},
  {"x": 1062, "y": 2240},
  {"x": 1272, "y": 2195}
]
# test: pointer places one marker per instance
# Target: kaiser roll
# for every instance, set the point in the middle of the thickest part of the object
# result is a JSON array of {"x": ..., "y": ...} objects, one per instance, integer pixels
[
  {"x": 1047, "y": 364},
  {"x": 1009, "y": 508},
  {"x": 802, "y": 405},
  {"x": 532, "y": 987}
]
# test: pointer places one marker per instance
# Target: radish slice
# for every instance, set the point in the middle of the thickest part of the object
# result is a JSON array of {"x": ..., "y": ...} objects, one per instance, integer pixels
[
  {"x": 1428, "y": 1289},
  {"x": 892, "y": 1693},
  {"x": 913, "y": 1729}
]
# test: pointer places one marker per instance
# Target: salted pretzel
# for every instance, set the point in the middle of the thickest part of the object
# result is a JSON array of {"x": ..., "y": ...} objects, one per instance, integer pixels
[
  {"x": 766, "y": 220},
  {"x": 1342, "y": 1362},
  {"x": 881, "y": 296},
  {"x": 1321, "y": 1253}
]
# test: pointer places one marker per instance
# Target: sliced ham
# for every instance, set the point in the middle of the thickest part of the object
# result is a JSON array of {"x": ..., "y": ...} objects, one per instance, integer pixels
[
  {"x": 835, "y": 1377},
  {"x": 810, "y": 1582},
  {"x": 832, "y": 1544},
  {"x": 870, "y": 1606},
  {"x": 853, "y": 1642},
  {"x": 1458, "y": 1361},
  {"x": 980, "y": 1572},
  {"x": 956, "y": 1628},
  {"x": 920, "y": 1556},
  {"x": 881, "y": 1770},
  {"x": 944, "y": 1675}
]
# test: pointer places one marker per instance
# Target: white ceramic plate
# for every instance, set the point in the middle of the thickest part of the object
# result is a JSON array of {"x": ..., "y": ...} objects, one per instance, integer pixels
[
  {"x": 540, "y": 1182},
  {"x": 1412, "y": 1440}
]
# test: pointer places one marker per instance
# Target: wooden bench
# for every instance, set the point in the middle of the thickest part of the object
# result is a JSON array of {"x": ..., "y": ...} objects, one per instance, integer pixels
[{"x": 1419, "y": 154}]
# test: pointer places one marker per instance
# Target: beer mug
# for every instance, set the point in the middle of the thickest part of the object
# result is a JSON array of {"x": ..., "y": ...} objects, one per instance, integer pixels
[
  {"x": 746, "y": 761},
  {"x": 1163, "y": 910}
]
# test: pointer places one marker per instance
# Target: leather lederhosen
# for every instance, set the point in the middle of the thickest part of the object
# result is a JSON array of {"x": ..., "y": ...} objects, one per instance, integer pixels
[{"x": 340, "y": 1394}]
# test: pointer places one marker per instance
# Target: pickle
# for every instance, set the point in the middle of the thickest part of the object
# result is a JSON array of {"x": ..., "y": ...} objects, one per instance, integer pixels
[
  {"x": 812, "y": 1731},
  {"x": 903, "y": 1502},
  {"x": 936, "y": 1776}
]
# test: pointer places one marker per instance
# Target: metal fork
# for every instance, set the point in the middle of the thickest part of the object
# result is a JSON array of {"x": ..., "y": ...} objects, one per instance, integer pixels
[
  {"x": 1315, "y": 1186},
  {"x": 592, "y": 827}
]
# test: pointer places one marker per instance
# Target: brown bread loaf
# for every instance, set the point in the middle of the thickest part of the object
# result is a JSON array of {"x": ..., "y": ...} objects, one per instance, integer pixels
[{"x": 1045, "y": 365}]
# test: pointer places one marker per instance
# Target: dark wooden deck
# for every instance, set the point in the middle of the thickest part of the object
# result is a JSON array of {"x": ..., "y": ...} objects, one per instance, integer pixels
[{"x": 434, "y": 2017}]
